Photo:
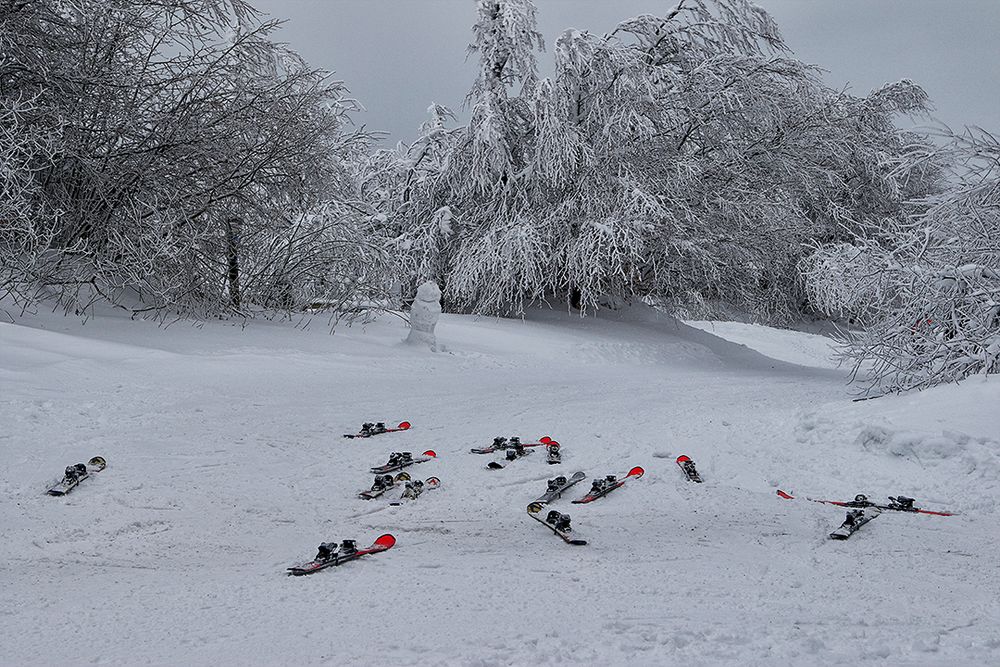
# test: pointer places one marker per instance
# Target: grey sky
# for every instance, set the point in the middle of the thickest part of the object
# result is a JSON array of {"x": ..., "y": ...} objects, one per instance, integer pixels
[{"x": 398, "y": 56}]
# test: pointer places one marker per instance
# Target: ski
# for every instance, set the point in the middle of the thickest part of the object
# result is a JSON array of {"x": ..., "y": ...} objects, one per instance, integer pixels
[
  {"x": 557, "y": 486},
  {"x": 896, "y": 503},
  {"x": 687, "y": 465},
  {"x": 855, "y": 519},
  {"x": 75, "y": 474},
  {"x": 400, "y": 460},
  {"x": 332, "y": 554},
  {"x": 557, "y": 522},
  {"x": 369, "y": 429},
  {"x": 510, "y": 454},
  {"x": 414, "y": 488},
  {"x": 382, "y": 484},
  {"x": 553, "y": 453},
  {"x": 605, "y": 485},
  {"x": 500, "y": 443}
]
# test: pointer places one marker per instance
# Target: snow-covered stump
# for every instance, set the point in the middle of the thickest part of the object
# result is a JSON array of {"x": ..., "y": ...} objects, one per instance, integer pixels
[{"x": 424, "y": 314}]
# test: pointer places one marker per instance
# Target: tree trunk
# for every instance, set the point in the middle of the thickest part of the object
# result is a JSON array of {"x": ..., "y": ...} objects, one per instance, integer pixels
[{"x": 233, "y": 261}]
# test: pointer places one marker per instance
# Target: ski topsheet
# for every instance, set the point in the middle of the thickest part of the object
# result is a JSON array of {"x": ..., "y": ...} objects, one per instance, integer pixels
[
  {"x": 896, "y": 503},
  {"x": 855, "y": 519},
  {"x": 557, "y": 486},
  {"x": 606, "y": 485},
  {"x": 75, "y": 474},
  {"x": 400, "y": 460},
  {"x": 371, "y": 429},
  {"x": 333, "y": 558},
  {"x": 557, "y": 522}
]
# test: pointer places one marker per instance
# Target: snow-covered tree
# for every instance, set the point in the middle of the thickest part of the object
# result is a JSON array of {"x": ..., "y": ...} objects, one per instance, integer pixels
[
  {"x": 925, "y": 292},
  {"x": 685, "y": 157},
  {"x": 189, "y": 151}
]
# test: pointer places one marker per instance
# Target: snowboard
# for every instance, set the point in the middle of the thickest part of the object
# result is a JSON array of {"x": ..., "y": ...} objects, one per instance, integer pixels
[
  {"x": 855, "y": 519},
  {"x": 369, "y": 430},
  {"x": 606, "y": 485},
  {"x": 687, "y": 465},
  {"x": 557, "y": 486},
  {"x": 501, "y": 443},
  {"x": 557, "y": 522},
  {"x": 383, "y": 543},
  {"x": 414, "y": 489},
  {"x": 517, "y": 454},
  {"x": 400, "y": 460},
  {"x": 76, "y": 474},
  {"x": 382, "y": 485}
]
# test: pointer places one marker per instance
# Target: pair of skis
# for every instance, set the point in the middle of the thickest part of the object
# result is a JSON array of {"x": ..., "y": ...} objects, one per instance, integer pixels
[
  {"x": 896, "y": 503},
  {"x": 332, "y": 554},
  {"x": 861, "y": 510},
  {"x": 558, "y": 522},
  {"x": 370, "y": 429},
  {"x": 75, "y": 474}
]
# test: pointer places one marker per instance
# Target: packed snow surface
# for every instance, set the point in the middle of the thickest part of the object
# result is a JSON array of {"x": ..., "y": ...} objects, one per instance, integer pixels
[{"x": 226, "y": 465}]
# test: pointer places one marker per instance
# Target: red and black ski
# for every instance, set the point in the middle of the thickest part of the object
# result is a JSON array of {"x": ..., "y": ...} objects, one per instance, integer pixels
[
  {"x": 896, "y": 503},
  {"x": 372, "y": 429},
  {"x": 606, "y": 485},
  {"x": 332, "y": 555}
]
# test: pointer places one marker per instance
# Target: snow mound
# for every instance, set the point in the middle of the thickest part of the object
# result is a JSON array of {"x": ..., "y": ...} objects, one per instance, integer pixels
[{"x": 794, "y": 347}]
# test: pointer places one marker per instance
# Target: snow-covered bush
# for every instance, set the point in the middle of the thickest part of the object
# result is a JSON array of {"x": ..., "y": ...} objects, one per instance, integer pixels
[{"x": 925, "y": 293}]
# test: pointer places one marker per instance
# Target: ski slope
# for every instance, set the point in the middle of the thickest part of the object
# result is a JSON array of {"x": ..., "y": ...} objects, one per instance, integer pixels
[{"x": 226, "y": 465}]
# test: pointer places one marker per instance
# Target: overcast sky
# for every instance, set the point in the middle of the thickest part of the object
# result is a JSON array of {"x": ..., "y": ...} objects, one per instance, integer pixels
[{"x": 398, "y": 56}]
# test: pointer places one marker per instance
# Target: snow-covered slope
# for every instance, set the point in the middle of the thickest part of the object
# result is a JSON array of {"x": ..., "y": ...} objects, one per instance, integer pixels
[{"x": 226, "y": 465}]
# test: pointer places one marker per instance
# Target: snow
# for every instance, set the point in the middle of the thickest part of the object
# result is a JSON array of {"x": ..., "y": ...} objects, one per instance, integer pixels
[
  {"x": 795, "y": 347},
  {"x": 226, "y": 465}
]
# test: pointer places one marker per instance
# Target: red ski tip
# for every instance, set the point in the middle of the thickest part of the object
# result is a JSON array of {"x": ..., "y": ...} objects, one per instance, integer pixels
[
  {"x": 545, "y": 440},
  {"x": 431, "y": 453},
  {"x": 784, "y": 495},
  {"x": 404, "y": 425},
  {"x": 387, "y": 541},
  {"x": 636, "y": 472},
  {"x": 683, "y": 458}
]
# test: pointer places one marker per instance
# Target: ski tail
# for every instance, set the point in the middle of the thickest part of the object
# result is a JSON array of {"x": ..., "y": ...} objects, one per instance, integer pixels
[{"x": 786, "y": 496}]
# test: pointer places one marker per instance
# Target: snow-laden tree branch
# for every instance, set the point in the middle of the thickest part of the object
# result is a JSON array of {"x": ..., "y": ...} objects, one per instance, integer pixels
[{"x": 926, "y": 292}]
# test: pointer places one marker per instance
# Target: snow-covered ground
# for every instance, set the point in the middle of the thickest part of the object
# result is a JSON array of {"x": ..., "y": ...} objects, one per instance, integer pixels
[{"x": 226, "y": 465}]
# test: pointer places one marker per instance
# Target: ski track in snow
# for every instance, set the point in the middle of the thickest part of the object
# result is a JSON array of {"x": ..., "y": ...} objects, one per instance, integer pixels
[{"x": 226, "y": 465}]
